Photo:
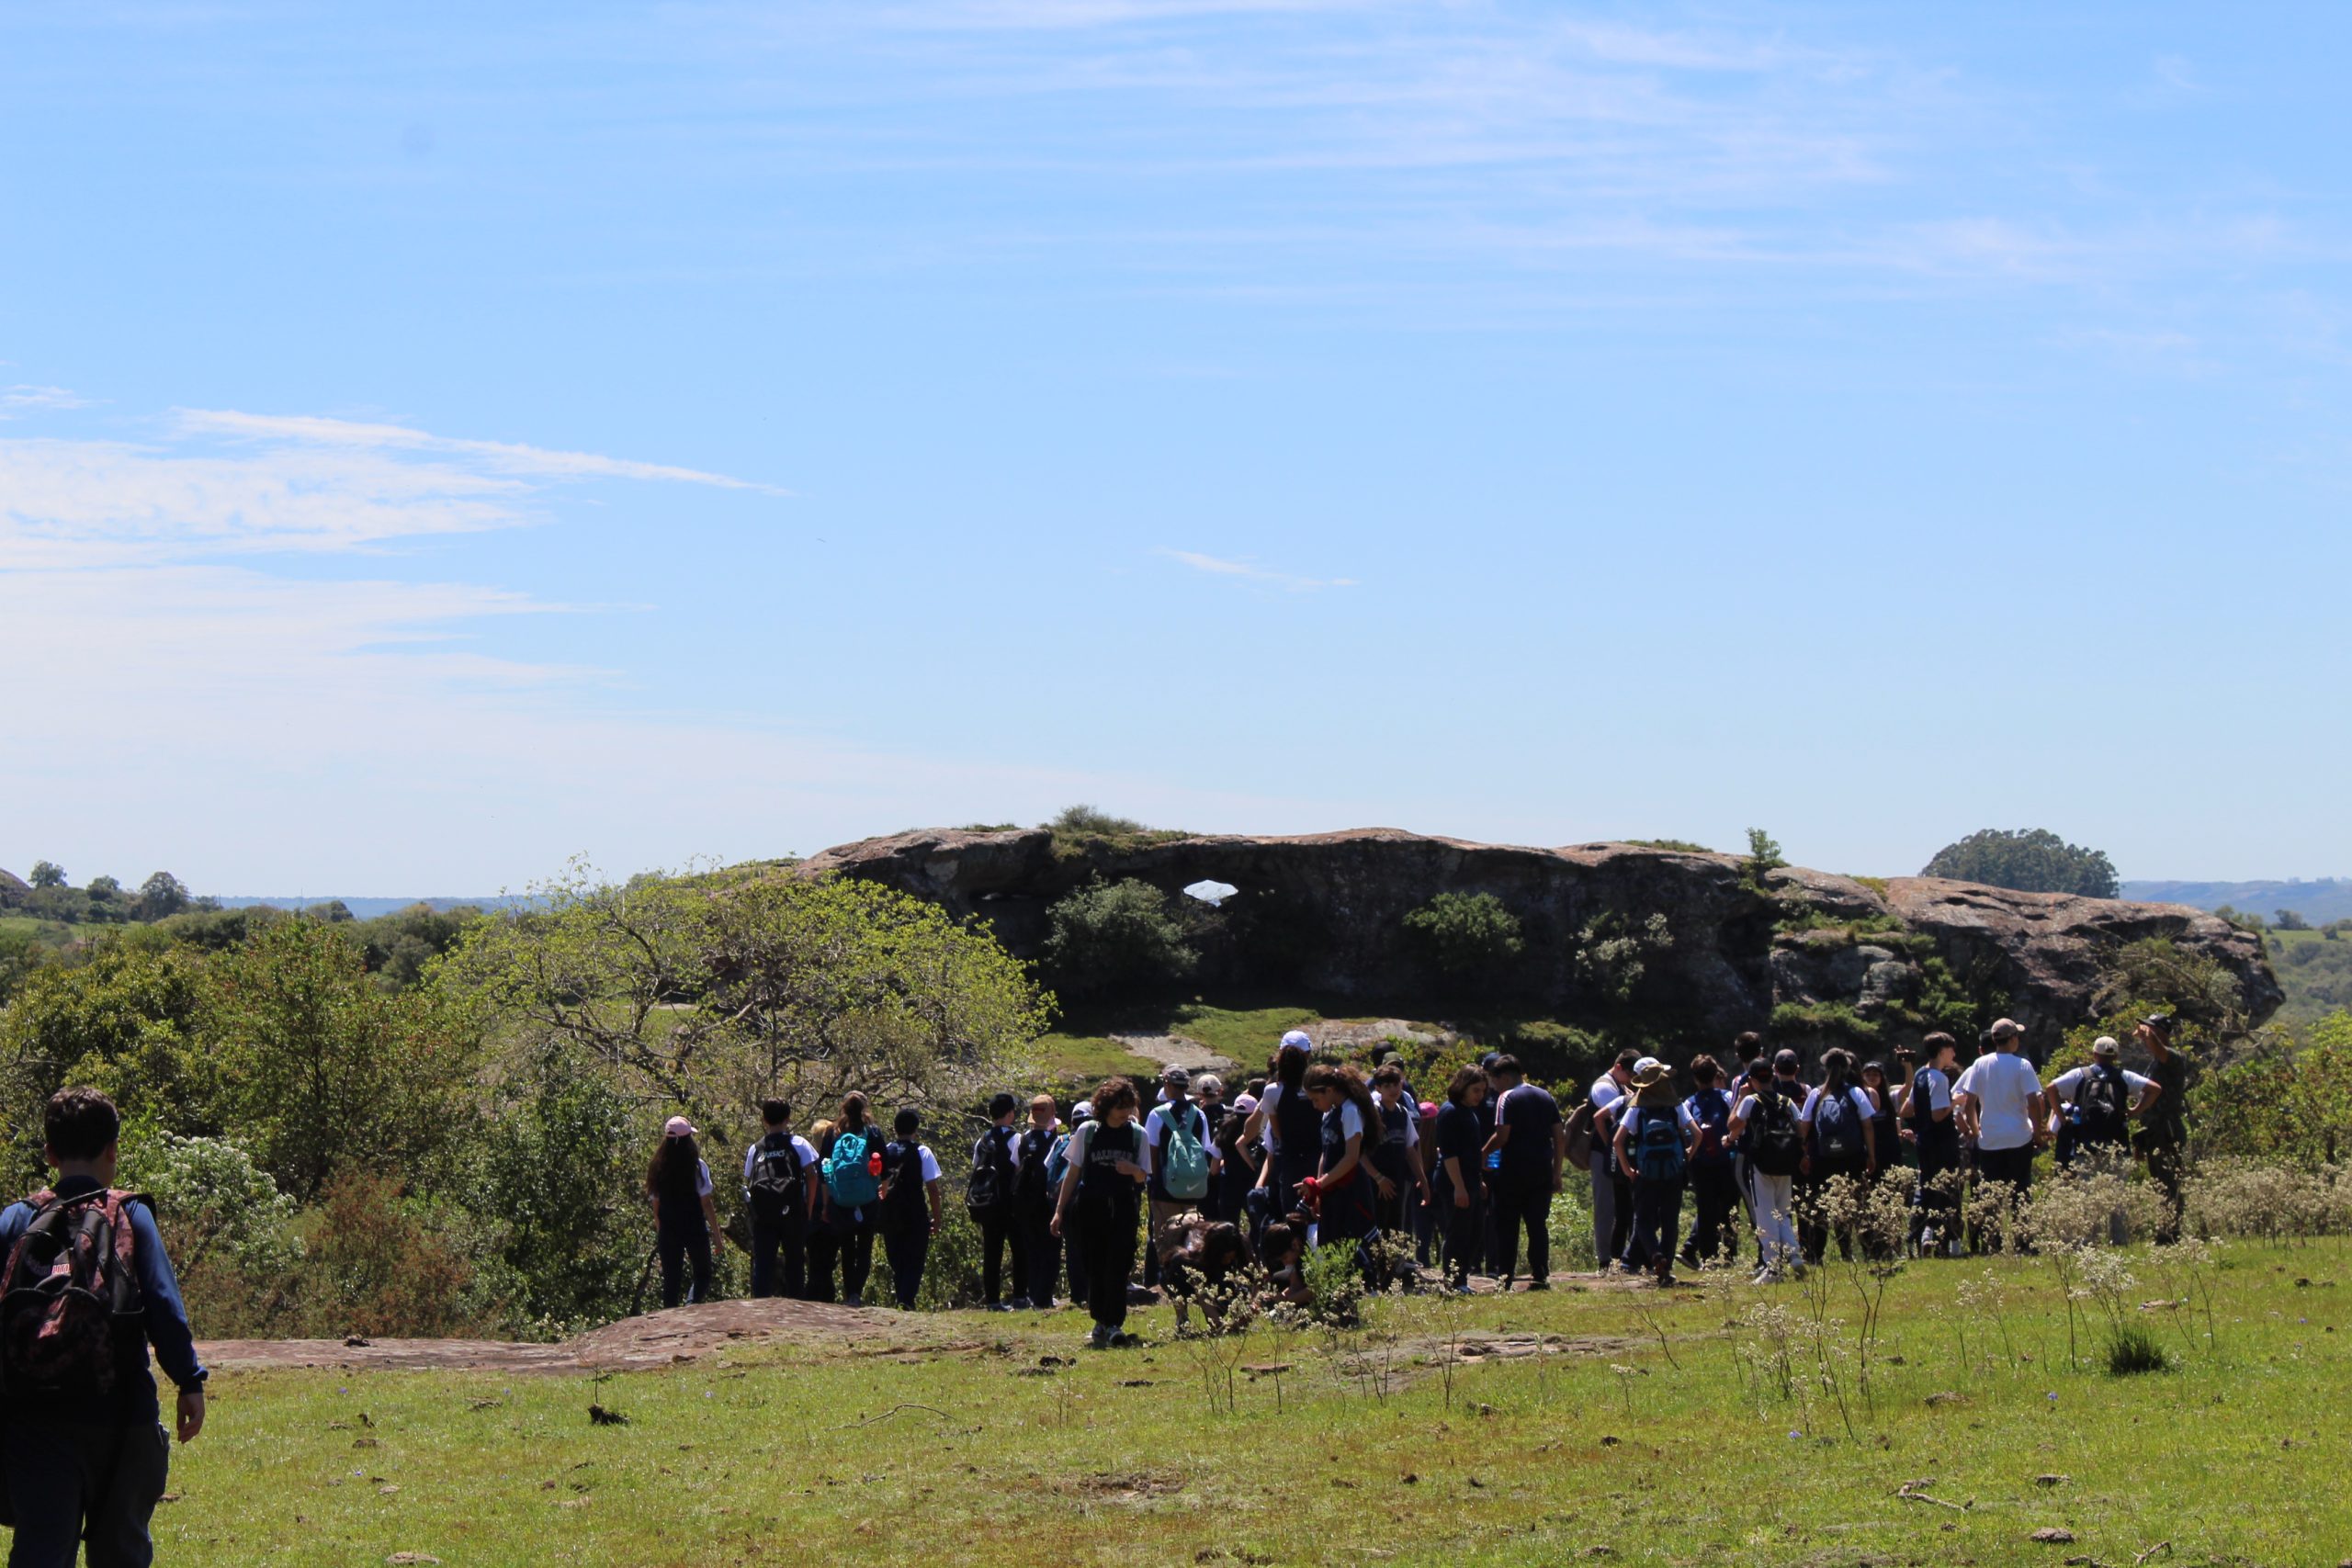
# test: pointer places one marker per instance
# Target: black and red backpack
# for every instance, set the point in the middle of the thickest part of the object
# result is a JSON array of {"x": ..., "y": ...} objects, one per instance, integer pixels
[{"x": 70, "y": 1301}]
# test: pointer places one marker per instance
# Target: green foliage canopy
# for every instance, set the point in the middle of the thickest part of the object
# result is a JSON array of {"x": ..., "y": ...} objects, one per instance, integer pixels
[
  {"x": 1116, "y": 935},
  {"x": 2030, "y": 860},
  {"x": 1466, "y": 936}
]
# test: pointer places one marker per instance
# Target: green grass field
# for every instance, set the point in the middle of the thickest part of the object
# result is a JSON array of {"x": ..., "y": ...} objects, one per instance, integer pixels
[{"x": 1657, "y": 1430}]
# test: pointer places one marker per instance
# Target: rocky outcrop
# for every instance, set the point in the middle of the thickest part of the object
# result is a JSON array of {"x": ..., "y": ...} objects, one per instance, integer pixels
[
  {"x": 1834, "y": 956},
  {"x": 13, "y": 890}
]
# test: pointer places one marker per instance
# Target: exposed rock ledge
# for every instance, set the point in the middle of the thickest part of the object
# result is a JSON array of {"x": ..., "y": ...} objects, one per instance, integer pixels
[{"x": 1324, "y": 912}]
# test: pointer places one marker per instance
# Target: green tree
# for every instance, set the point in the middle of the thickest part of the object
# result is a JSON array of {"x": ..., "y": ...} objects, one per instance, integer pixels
[
  {"x": 2030, "y": 860},
  {"x": 2287, "y": 920},
  {"x": 1084, "y": 819},
  {"x": 1112, "y": 936},
  {"x": 162, "y": 893},
  {"x": 47, "y": 873},
  {"x": 1467, "y": 937},
  {"x": 707, "y": 995},
  {"x": 126, "y": 1022},
  {"x": 1612, "y": 953},
  {"x": 315, "y": 1067}
]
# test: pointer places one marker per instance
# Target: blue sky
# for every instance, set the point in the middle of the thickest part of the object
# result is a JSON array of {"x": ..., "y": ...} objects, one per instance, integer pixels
[{"x": 441, "y": 440}]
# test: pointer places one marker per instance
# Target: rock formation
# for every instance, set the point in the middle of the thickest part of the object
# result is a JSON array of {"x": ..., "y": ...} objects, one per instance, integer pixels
[{"x": 1835, "y": 955}]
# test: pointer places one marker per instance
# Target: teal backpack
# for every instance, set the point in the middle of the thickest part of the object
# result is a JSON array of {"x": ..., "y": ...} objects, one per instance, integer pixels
[
  {"x": 850, "y": 1176},
  {"x": 1186, "y": 1177}
]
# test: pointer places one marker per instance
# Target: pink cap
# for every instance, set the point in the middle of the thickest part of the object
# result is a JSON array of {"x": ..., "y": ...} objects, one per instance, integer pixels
[
  {"x": 678, "y": 1127},
  {"x": 1429, "y": 1108}
]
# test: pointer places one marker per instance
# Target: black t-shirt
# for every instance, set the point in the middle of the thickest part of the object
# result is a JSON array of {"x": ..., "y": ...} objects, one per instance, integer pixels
[
  {"x": 906, "y": 1206},
  {"x": 1531, "y": 1114},
  {"x": 1029, "y": 1188},
  {"x": 1460, "y": 1136}
]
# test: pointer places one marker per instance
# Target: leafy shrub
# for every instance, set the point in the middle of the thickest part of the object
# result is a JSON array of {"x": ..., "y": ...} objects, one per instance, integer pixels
[
  {"x": 1116, "y": 935},
  {"x": 1763, "y": 855},
  {"x": 1680, "y": 846},
  {"x": 1465, "y": 936},
  {"x": 381, "y": 1263},
  {"x": 1077, "y": 819},
  {"x": 1612, "y": 954},
  {"x": 228, "y": 1229}
]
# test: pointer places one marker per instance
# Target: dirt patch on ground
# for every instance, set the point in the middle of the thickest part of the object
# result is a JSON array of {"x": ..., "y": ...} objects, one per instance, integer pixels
[
  {"x": 657, "y": 1339},
  {"x": 1175, "y": 1050}
]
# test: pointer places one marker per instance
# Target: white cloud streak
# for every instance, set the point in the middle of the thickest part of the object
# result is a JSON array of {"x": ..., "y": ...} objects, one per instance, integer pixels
[
  {"x": 24, "y": 398},
  {"x": 1251, "y": 571}
]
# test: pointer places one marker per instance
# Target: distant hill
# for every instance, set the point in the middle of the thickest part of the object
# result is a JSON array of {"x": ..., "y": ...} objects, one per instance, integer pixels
[
  {"x": 2320, "y": 901},
  {"x": 370, "y": 908}
]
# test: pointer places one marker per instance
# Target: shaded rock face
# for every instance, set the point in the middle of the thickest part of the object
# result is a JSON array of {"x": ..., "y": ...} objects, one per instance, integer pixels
[
  {"x": 13, "y": 890},
  {"x": 1324, "y": 912}
]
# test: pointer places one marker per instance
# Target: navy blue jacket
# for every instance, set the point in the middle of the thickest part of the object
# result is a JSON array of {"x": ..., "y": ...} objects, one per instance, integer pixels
[{"x": 159, "y": 1290}]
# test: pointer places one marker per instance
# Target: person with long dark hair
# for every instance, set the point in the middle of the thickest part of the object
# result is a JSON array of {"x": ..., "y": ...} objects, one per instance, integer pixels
[
  {"x": 1288, "y": 1126},
  {"x": 1341, "y": 1186},
  {"x": 853, "y": 1184},
  {"x": 1110, "y": 1161},
  {"x": 1462, "y": 1191},
  {"x": 685, "y": 1221}
]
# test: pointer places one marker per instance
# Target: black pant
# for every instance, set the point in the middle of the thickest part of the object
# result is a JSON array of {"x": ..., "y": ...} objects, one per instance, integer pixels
[
  {"x": 1658, "y": 1215},
  {"x": 1813, "y": 1227},
  {"x": 1525, "y": 1202},
  {"x": 1107, "y": 1238},
  {"x": 856, "y": 1240},
  {"x": 65, "y": 1478},
  {"x": 1465, "y": 1231},
  {"x": 1045, "y": 1259},
  {"x": 999, "y": 1233},
  {"x": 1713, "y": 1188},
  {"x": 2014, "y": 1166},
  {"x": 1621, "y": 1227},
  {"x": 786, "y": 1239},
  {"x": 907, "y": 1247},
  {"x": 679, "y": 1246},
  {"x": 824, "y": 1262}
]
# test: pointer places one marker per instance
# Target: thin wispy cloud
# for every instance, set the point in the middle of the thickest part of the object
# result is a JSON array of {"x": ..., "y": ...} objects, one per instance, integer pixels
[
  {"x": 22, "y": 399},
  {"x": 504, "y": 456},
  {"x": 1251, "y": 571}
]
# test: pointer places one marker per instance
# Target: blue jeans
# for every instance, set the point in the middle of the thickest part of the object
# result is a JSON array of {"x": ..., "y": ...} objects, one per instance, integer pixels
[{"x": 65, "y": 1476}]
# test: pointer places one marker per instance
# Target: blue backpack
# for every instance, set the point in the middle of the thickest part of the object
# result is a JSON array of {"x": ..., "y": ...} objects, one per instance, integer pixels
[
  {"x": 1658, "y": 1147},
  {"x": 850, "y": 1176},
  {"x": 1836, "y": 1126},
  {"x": 1058, "y": 1162}
]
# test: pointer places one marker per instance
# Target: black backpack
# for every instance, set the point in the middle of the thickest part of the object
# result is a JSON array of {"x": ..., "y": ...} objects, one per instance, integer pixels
[
  {"x": 71, "y": 1315},
  {"x": 2103, "y": 1099},
  {"x": 1775, "y": 1141},
  {"x": 775, "y": 1190},
  {"x": 1837, "y": 1125},
  {"x": 990, "y": 1186}
]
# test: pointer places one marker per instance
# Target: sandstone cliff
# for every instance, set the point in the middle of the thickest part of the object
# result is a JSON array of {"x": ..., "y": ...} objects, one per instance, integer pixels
[{"x": 1324, "y": 912}]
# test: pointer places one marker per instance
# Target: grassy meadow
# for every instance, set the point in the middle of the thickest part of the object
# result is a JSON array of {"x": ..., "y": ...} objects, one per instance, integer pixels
[{"x": 1660, "y": 1427}]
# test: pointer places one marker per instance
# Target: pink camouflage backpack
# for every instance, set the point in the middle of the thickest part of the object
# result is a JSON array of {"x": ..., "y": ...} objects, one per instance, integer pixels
[{"x": 69, "y": 1298}]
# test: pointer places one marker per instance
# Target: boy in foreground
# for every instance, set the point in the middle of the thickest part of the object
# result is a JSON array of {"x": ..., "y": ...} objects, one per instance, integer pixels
[{"x": 85, "y": 1449}]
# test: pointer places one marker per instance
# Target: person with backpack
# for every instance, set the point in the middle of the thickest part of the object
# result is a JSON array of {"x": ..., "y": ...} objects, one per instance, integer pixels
[
  {"x": 910, "y": 1205},
  {"x": 1608, "y": 1226},
  {"x": 1925, "y": 1109},
  {"x": 1340, "y": 1191},
  {"x": 1395, "y": 1154},
  {"x": 1531, "y": 1150},
  {"x": 853, "y": 1181},
  {"x": 988, "y": 1199},
  {"x": 2102, "y": 1100},
  {"x": 1460, "y": 1147},
  {"x": 1183, "y": 1161},
  {"x": 685, "y": 1220},
  {"x": 1110, "y": 1163},
  {"x": 1710, "y": 1181},
  {"x": 1032, "y": 1203},
  {"x": 780, "y": 1192},
  {"x": 1655, "y": 1135},
  {"x": 84, "y": 1450},
  {"x": 1287, "y": 1126},
  {"x": 1057, "y": 1171},
  {"x": 1838, "y": 1120},
  {"x": 1764, "y": 1128},
  {"x": 1236, "y": 1175}
]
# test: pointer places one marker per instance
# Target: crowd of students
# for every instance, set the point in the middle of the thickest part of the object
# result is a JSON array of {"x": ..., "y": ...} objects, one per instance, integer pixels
[{"x": 1194, "y": 1183}]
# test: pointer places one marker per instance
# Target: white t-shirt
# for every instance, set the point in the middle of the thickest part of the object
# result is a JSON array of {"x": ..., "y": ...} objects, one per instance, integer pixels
[
  {"x": 1266, "y": 1103},
  {"x": 2067, "y": 1085},
  {"x": 1155, "y": 1127},
  {"x": 1603, "y": 1093},
  {"x": 1857, "y": 1096},
  {"x": 702, "y": 1177},
  {"x": 1939, "y": 1091},
  {"x": 1634, "y": 1116},
  {"x": 1350, "y": 1120},
  {"x": 929, "y": 1162},
  {"x": 2003, "y": 1082},
  {"x": 800, "y": 1145}
]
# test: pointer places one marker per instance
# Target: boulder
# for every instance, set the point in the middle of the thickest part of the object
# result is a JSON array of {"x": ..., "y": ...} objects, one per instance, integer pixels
[{"x": 1323, "y": 913}]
